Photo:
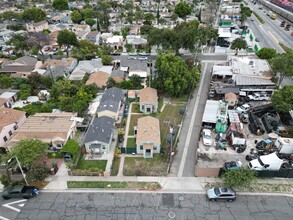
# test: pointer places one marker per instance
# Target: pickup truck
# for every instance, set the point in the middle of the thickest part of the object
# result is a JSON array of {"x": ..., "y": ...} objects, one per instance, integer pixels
[
  {"x": 259, "y": 97},
  {"x": 19, "y": 191}
]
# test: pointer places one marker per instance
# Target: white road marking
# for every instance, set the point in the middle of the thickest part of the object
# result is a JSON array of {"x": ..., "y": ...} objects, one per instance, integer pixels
[
  {"x": 21, "y": 205},
  {"x": 182, "y": 163},
  {"x": 8, "y": 205},
  {"x": 3, "y": 218}
]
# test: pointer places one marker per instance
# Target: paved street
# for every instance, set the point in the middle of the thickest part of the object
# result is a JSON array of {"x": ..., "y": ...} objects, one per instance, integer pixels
[
  {"x": 150, "y": 206},
  {"x": 270, "y": 33}
]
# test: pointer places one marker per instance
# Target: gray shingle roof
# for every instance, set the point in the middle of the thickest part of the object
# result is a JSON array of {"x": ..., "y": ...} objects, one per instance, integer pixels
[
  {"x": 114, "y": 94},
  {"x": 100, "y": 130},
  {"x": 109, "y": 105},
  {"x": 134, "y": 64}
]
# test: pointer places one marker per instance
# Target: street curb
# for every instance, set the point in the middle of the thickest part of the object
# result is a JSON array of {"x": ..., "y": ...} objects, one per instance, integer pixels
[{"x": 162, "y": 191}]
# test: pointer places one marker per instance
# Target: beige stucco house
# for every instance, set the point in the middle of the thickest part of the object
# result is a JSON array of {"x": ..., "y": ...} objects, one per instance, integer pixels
[
  {"x": 148, "y": 100},
  {"x": 148, "y": 139},
  {"x": 10, "y": 120},
  {"x": 52, "y": 128}
]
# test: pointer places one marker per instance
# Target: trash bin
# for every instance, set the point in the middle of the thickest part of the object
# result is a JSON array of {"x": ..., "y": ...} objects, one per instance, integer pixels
[{"x": 52, "y": 171}]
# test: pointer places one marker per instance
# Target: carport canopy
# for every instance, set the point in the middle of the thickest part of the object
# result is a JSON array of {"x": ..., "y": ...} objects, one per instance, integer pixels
[{"x": 210, "y": 112}]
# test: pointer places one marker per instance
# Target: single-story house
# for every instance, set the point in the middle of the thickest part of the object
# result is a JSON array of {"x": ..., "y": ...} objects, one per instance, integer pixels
[
  {"x": 37, "y": 27},
  {"x": 148, "y": 100},
  {"x": 52, "y": 128},
  {"x": 231, "y": 99},
  {"x": 99, "y": 78},
  {"x": 94, "y": 37},
  {"x": 148, "y": 139},
  {"x": 86, "y": 67},
  {"x": 21, "y": 67},
  {"x": 111, "y": 103},
  {"x": 10, "y": 119},
  {"x": 99, "y": 136},
  {"x": 9, "y": 97}
]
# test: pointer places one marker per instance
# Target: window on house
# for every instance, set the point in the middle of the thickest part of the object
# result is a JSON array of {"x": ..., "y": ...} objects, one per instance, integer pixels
[
  {"x": 141, "y": 147},
  {"x": 155, "y": 148},
  {"x": 148, "y": 110},
  {"x": 104, "y": 147},
  {"x": 10, "y": 133},
  {"x": 5, "y": 138}
]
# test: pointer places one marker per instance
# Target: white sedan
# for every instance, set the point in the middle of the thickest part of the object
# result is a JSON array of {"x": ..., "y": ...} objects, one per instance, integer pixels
[{"x": 207, "y": 137}]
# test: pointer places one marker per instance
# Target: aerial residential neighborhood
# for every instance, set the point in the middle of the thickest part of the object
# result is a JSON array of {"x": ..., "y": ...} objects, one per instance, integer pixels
[{"x": 146, "y": 109}]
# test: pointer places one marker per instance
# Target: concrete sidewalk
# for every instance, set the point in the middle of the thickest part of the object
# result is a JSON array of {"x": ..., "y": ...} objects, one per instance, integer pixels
[{"x": 169, "y": 184}]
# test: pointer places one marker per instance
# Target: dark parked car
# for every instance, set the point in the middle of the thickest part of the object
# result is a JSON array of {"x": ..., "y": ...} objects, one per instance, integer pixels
[
  {"x": 287, "y": 28},
  {"x": 221, "y": 193},
  {"x": 19, "y": 191}
]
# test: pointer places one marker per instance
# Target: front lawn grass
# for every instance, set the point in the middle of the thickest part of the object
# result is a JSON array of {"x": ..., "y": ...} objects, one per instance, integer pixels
[
  {"x": 87, "y": 164},
  {"x": 135, "y": 108},
  {"x": 114, "y": 185},
  {"x": 139, "y": 166},
  {"x": 133, "y": 122},
  {"x": 170, "y": 116},
  {"x": 130, "y": 142},
  {"x": 115, "y": 167}
]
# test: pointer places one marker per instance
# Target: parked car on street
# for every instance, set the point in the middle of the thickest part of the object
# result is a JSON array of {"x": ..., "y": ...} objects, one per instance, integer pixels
[
  {"x": 143, "y": 58},
  {"x": 20, "y": 191},
  {"x": 221, "y": 194},
  {"x": 206, "y": 137},
  {"x": 132, "y": 58}
]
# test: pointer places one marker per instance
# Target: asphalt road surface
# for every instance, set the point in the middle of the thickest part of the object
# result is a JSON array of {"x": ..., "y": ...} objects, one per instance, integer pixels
[
  {"x": 157, "y": 206},
  {"x": 271, "y": 30}
]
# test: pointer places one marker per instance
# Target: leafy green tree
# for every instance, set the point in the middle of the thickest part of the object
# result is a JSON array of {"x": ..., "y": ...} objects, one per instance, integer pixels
[
  {"x": 106, "y": 59},
  {"x": 125, "y": 31},
  {"x": 282, "y": 99},
  {"x": 128, "y": 47},
  {"x": 9, "y": 15},
  {"x": 66, "y": 38},
  {"x": 238, "y": 44},
  {"x": 211, "y": 5},
  {"x": 16, "y": 27},
  {"x": 90, "y": 22},
  {"x": 103, "y": 8},
  {"x": 5, "y": 81},
  {"x": 28, "y": 151},
  {"x": 135, "y": 81},
  {"x": 146, "y": 29},
  {"x": 174, "y": 76},
  {"x": 38, "y": 41},
  {"x": 245, "y": 12},
  {"x": 266, "y": 53},
  {"x": 111, "y": 83},
  {"x": 126, "y": 84},
  {"x": 60, "y": 4},
  {"x": 88, "y": 13},
  {"x": 182, "y": 9},
  {"x": 282, "y": 65},
  {"x": 25, "y": 91},
  {"x": 73, "y": 148},
  {"x": 76, "y": 17},
  {"x": 86, "y": 50},
  {"x": 33, "y": 14},
  {"x": 20, "y": 43},
  {"x": 148, "y": 18},
  {"x": 242, "y": 177},
  {"x": 38, "y": 172},
  {"x": 138, "y": 15}
]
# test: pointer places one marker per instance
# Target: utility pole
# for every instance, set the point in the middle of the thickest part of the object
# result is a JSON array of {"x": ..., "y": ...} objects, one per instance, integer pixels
[
  {"x": 18, "y": 163},
  {"x": 171, "y": 149}
]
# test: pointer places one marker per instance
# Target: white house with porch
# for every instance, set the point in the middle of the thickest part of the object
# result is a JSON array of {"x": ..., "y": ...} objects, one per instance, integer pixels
[{"x": 148, "y": 138}]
